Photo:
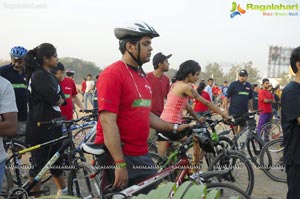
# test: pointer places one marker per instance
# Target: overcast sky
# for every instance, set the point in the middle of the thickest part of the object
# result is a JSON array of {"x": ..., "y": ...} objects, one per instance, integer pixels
[{"x": 189, "y": 29}]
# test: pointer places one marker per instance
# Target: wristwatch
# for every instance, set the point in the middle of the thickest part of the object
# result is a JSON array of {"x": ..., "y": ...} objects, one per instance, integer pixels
[{"x": 175, "y": 127}]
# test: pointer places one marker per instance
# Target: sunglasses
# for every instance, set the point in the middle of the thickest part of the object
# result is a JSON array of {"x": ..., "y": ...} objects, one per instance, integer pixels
[{"x": 242, "y": 75}]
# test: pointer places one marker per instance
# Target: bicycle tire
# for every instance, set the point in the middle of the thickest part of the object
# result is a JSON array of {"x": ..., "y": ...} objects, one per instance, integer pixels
[
  {"x": 226, "y": 189},
  {"x": 232, "y": 159},
  {"x": 81, "y": 133},
  {"x": 270, "y": 131},
  {"x": 274, "y": 163},
  {"x": 89, "y": 187},
  {"x": 24, "y": 161},
  {"x": 7, "y": 183},
  {"x": 227, "y": 142},
  {"x": 254, "y": 147}
]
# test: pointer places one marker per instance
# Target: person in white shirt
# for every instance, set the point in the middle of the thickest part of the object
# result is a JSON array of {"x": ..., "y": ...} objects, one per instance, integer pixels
[
  {"x": 88, "y": 95},
  {"x": 8, "y": 119},
  {"x": 208, "y": 88}
]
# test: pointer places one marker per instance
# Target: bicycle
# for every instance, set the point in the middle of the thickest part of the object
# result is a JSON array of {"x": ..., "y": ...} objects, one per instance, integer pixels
[
  {"x": 253, "y": 141},
  {"x": 273, "y": 166},
  {"x": 23, "y": 189},
  {"x": 271, "y": 130},
  {"x": 182, "y": 167},
  {"x": 17, "y": 150},
  {"x": 218, "y": 156}
]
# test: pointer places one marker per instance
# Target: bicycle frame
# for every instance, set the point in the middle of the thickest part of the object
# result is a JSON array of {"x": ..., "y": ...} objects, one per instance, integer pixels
[
  {"x": 50, "y": 163},
  {"x": 182, "y": 164},
  {"x": 68, "y": 143},
  {"x": 21, "y": 152}
]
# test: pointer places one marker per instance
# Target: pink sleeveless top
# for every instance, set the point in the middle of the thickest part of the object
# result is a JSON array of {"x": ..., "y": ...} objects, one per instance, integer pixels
[{"x": 174, "y": 108}]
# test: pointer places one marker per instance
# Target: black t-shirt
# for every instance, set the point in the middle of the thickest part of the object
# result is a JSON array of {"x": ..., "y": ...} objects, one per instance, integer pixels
[
  {"x": 239, "y": 94},
  {"x": 18, "y": 81},
  {"x": 290, "y": 110},
  {"x": 44, "y": 93}
]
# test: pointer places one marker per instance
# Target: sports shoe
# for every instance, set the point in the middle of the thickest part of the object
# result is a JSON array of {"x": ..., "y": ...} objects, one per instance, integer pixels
[{"x": 62, "y": 191}]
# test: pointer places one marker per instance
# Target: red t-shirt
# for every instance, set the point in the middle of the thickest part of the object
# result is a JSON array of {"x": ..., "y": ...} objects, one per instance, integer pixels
[
  {"x": 216, "y": 90},
  {"x": 265, "y": 107},
  {"x": 121, "y": 90},
  {"x": 160, "y": 88},
  {"x": 83, "y": 86},
  {"x": 69, "y": 89},
  {"x": 199, "y": 107}
]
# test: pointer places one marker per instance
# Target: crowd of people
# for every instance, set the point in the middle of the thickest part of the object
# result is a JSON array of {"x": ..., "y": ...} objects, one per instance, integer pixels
[{"x": 36, "y": 87}]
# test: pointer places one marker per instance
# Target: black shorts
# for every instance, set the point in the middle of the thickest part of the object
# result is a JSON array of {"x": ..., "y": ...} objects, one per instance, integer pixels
[
  {"x": 170, "y": 136},
  {"x": 239, "y": 122},
  {"x": 40, "y": 157}
]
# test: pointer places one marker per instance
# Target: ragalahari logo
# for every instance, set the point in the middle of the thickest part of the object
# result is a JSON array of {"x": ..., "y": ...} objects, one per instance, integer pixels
[{"x": 236, "y": 10}]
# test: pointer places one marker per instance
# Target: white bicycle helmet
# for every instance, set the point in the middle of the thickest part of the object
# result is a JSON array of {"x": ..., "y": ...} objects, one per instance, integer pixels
[{"x": 135, "y": 29}]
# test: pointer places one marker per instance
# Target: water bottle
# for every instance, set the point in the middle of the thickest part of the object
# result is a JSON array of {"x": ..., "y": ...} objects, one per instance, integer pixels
[{"x": 214, "y": 136}]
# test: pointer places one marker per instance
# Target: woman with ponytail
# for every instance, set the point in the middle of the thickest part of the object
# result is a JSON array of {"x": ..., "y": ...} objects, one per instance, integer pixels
[
  {"x": 45, "y": 97},
  {"x": 177, "y": 101}
]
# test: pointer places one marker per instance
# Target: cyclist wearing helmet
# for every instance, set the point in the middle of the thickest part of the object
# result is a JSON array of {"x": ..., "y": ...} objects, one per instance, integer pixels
[
  {"x": 15, "y": 74},
  {"x": 70, "y": 73},
  {"x": 124, "y": 102}
]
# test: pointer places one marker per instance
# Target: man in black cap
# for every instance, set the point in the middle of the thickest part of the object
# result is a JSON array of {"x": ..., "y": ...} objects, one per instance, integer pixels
[
  {"x": 160, "y": 83},
  {"x": 240, "y": 95}
]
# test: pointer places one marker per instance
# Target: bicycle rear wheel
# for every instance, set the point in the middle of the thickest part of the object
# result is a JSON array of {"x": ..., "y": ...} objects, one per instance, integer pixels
[
  {"x": 270, "y": 131},
  {"x": 7, "y": 183},
  {"x": 241, "y": 172},
  {"x": 79, "y": 135},
  {"x": 24, "y": 163},
  {"x": 227, "y": 190},
  {"x": 81, "y": 183},
  {"x": 271, "y": 160}
]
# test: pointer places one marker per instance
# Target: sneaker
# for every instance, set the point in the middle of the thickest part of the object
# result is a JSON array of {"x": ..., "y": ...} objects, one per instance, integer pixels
[{"x": 62, "y": 191}]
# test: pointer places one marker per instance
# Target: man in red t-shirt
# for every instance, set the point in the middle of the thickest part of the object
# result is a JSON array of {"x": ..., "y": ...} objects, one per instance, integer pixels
[
  {"x": 216, "y": 91},
  {"x": 265, "y": 100},
  {"x": 69, "y": 89},
  {"x": 199, "y": 108},
  {"x": 124, "y": 104},
  {"x": 160, "y": 83}
]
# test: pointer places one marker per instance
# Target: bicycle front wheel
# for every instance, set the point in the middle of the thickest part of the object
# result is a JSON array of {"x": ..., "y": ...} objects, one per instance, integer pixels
[
  {"x": 271, "y": 160},
  {"x": 241, "y": 172}
]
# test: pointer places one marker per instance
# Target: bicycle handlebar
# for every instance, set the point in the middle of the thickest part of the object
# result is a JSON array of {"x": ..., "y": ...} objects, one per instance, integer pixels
[
  {"x": 60, "y": 121},
  {"x": 245, "y": 117},
  {"x": 95, "y": 110}
]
